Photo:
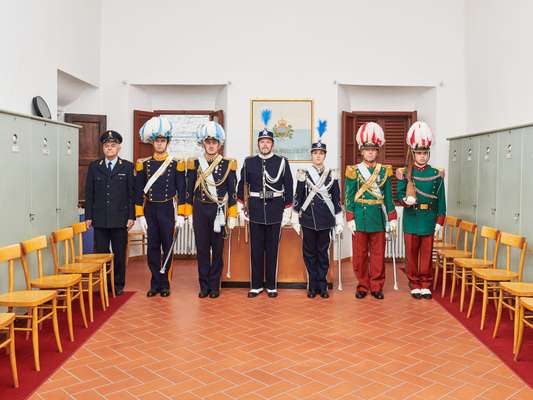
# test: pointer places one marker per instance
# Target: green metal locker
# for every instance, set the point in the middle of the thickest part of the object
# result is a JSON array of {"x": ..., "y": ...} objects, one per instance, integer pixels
[
  {"x": 469, "y": 175},
  {"x": 67, "y": 178},
  {"x": 454, "y": 178},
  {"x": 526, "y": 210},
  {"x": 488, "y": 168}
]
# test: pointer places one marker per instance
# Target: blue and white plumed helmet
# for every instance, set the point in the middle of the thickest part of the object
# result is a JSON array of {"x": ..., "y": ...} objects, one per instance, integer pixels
[
  {"x": 321, "y": 130},
  {"x": 265, "y": 133},
  {"x": 156, "y": 127},
  {"x": 211, "y": 130}
]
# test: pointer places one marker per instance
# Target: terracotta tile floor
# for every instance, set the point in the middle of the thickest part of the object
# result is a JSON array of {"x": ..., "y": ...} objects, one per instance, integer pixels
[{"x": 291, "y": 347}]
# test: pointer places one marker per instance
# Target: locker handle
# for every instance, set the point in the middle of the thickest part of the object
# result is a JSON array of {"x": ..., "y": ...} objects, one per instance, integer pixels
[
  {"x": 493, "y": 211},
  {"x": 32, "y": 216},
  {"x": 516, "y": 216}
]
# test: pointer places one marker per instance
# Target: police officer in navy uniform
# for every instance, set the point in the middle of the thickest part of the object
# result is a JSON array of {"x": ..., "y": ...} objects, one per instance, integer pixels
[
  {"x": 317, "y": 210},
  {"x": 265, "y": 192},
  {"x": 109, "y": 203},
  {"x": 211, "y": 184},
  {"x": 159, "y": 182}
]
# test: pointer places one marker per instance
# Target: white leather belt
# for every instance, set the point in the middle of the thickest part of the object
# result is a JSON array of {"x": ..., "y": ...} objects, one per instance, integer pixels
[{"x": 268, "y": 194}]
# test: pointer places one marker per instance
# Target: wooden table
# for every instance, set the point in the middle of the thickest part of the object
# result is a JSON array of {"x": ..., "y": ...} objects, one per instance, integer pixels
[{"x": 291, "y": 268}]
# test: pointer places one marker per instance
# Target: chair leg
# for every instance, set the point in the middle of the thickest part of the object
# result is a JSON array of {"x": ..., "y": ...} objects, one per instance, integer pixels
[
  {"x": 106, "y": 289},
  {"x": 518, "y": 344},
  {"x": 90, "y": 295},
  {"x": 68, "y": 301},
  {"x": 484, "y": 306},
  {"x": 436, "y": 277},
  {"x": 498, "y": 314},
  {"x": 103, "y": 286},
  {"x": 35, "y": 337},
  {"x": 82, "y": 304},
  {"x": 12, "y": 356},
  {"x": 112, "y": 273},
  {"x": 463, "y": 288},
  {"x": 444, "y": 273},
  {"x": 516, "y": 324},
  {"x": 55, "y": 325},
  {"x": 472, "y": 297},
  {"x": 454, "y": 282}
]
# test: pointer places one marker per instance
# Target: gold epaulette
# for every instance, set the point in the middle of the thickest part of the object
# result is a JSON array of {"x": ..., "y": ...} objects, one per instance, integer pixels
[
  {"x": 350, "y": 172},
  {"x": 388, "y": 170},
  {"x": 400, "y": 173},
  {"x": 180, "y": 165},
  {"x": 301, "y": 175},
  {"x": 232, "y": 163},
  {"x": 440, "y": 171},
  {"x": 140, "y": 162},
  {"x": 191, "y": 165}
]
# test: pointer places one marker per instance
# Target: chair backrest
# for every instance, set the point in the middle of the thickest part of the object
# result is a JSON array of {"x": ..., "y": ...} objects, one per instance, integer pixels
[
  {"x": 467, "y": 228},
  {"x": 37, "y": 244},
  {"x": 511, "y": 241},
  {"x": 65, "y": 236},
  {"x": 11, "y": 254},
  {"x": 488, "y": 233},
  {"x": 451, "y": 233},
  {"x": 79, "y": 229}
]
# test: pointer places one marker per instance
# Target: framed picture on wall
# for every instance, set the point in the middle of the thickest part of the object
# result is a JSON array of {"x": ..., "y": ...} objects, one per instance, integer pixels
[{"x": 291, "y": 122}]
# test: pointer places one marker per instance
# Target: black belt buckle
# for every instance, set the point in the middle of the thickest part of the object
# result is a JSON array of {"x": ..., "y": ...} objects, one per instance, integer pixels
[{"x": 267, "y": 195}]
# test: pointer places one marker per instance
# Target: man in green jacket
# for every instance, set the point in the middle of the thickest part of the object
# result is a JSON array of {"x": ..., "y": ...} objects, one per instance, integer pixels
[
  {"x": 421, "y": 191},
  {"x": 368, "y": 196}
]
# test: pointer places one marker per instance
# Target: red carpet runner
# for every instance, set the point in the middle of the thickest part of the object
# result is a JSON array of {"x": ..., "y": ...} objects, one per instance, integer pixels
[{"x": 29, "y": 379}]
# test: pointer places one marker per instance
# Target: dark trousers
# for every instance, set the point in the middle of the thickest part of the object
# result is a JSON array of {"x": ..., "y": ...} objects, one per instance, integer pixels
[
  {"x": 118, "y": 237},
  {"x": 315, "y": 246},
  {"x": 370, "y": 273},
  {"x": 209, "y": 246},
  {"x": 264, "y": 240},
  {"x": 160, "y": 219},
  {"x": 418, "y": 254}
]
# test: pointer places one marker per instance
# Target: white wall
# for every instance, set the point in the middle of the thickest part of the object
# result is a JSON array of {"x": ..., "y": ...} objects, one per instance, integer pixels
[
  {"x": 499, "y": 63},
  {"x": 40, "y": 37}
]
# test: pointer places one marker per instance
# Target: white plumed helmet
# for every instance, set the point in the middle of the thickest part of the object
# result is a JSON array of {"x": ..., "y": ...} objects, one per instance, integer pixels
[
  {"x": 419, "y": 136},
  {"x": 156, "y": 127},
  {"x": 370, "y": 135},
  {"x": 211, "y": 129}
]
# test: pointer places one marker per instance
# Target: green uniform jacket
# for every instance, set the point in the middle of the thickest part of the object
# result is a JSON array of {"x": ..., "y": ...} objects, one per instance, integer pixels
[
  {"x": 368, "y": 217},
  {"x": 430, "y": 181}
]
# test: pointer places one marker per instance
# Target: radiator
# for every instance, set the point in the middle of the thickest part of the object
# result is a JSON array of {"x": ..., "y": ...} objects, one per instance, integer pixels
[
  {"x": 185, "y": 245},
  {"x": 398, "y": 245}
]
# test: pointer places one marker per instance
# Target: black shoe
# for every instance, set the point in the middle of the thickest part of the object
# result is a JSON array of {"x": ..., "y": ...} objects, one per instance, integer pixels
[
  {"x": 165, "y": 293},
  {"x": 417, "y": 296},
  {"x": 251, "y": 295},
  {"x": 324, "y": 294},
  {"x": 426, "y": 295},
  {"x": 118, "y": 292},
  {"x": 203, "y": 294},
  {"x": 311, "y": 294},
  {"x": 152, "y": 293},
  {"x": 214, "y": 295},
  {"x": 360, "y": 294},
  {"x": 378, "y": 295},
  {"x": 272, "y": 294}
]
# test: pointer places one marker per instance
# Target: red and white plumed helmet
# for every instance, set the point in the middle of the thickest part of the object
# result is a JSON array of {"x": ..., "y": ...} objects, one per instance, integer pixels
[
  {"x": 370, "y": 136},
  {"x": 419, "y": 136}
]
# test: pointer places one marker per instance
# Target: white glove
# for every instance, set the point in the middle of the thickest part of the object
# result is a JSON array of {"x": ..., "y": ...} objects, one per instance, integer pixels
[
  {"x": 295, "y": 222},
  {"x": 409, "y": 200},
  {"x": 143, "y": 224},
  {"x": 232, "y": 222},
  {"x": 393, "y": 226},
  {"x": 286, "y": 216},
  {"x": 351, "y": 225},
  {"x": 339, "y": 223},
  {"x": 338, "y": 229},
  {"x": 242, "y": 214},
  {"x": 189, "y": 220},
  {"x": 438, "y": 229},
  {"x": 180, "y": 221}
]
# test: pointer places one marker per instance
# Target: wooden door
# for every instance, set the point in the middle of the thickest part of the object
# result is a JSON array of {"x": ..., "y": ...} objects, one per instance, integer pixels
[{"x": 90, "y": 149}]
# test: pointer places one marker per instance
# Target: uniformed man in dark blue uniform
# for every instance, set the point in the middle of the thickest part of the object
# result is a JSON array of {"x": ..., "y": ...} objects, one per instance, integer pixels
[
  {"x": 265, "y": 192},
  {"x": 109, "y": 204},
  {"x": 317, "y": 209},
  {"x": 211, "y": 184},
  {"x": 159, "y": 183}
]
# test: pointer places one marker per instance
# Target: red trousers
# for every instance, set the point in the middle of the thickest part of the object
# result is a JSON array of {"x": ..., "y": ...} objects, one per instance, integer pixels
[
  {"x": 418, "y": 255},
  {"x": 371, "y": 275}
]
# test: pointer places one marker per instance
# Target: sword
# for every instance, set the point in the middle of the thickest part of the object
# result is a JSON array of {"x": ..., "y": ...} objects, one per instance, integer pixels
[
  {"x": 394, "y": 261},
  {"x": 163, "y": 269},
  {"x": 339, "y": 260},
  {"x": 228, "y": 274}
]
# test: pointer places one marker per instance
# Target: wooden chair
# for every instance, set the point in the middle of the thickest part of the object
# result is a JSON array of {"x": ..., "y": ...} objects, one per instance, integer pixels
[
  {"x": 509, "y": 296},
  {"x": 32, "y": 300},
  {"x": 463, "y": 266},
  {"x": 485, "y": 280},
  {"x": 7, "y": 323},
  {"x": 450, "y": 235},
  {"x": 525, "y": 319},
  {"x": 104, "y": 258},
  {"x": 92, "y": 274},
  {"x": 68, "y": 286},
  {"x": 136, "y": 238},
  {"x": 445, "y": 257}
]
